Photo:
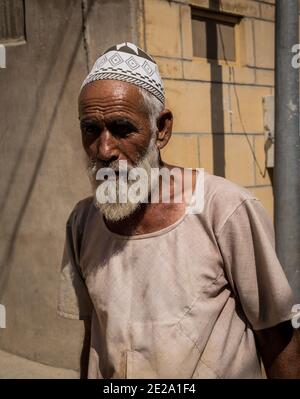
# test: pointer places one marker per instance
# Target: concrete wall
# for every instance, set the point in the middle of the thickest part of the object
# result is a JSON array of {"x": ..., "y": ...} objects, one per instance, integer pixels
[
  {"x": 218, "y": 125},
  {"x": 217, "y": 106},
  {"x": 42, "y": 165}
]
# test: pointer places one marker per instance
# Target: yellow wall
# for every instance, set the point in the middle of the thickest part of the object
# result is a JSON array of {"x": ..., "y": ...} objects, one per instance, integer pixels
[{"x": 218, "y": 112}]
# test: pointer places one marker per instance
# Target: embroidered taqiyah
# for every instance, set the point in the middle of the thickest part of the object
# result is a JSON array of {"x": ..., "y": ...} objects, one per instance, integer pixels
[{"x": 127, "y": 62}]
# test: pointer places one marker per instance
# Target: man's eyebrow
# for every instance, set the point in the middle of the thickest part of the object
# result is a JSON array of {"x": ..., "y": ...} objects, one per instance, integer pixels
[
  {"x": 89, "y": 120},
  {"x": 121, "y": 121}
]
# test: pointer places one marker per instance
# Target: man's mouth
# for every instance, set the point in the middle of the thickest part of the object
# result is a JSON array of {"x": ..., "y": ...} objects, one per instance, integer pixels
[{"x": 118, "y": 174}]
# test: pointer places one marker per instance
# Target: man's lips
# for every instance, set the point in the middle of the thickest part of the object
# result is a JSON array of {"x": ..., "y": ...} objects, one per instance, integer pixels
[{"x": 117, "y": 174}]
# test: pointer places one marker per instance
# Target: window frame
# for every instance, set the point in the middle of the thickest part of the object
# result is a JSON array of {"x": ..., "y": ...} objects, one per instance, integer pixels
[
  {"x": 20, "y": 39},
  {"x": 234, "y": 19}
]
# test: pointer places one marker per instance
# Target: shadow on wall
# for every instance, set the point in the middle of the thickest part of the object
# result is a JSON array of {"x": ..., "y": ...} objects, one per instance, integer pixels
[
  {"x": 216, "y": 97},
  {"x": 5, "y": 265},
  {"x": 217, "y": 105}
]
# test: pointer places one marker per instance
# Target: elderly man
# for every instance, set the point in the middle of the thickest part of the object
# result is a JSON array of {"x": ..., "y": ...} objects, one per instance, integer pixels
[{"x": 167, "y": 293}]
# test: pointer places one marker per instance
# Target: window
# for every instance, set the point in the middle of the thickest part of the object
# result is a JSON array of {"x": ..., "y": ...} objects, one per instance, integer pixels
[
  {"x": 214, "y": 35},
  {"x": 12, "y": 21}
]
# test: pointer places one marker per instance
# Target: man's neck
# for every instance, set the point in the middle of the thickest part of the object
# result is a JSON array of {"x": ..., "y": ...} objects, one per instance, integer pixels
[{"x": 151, "y": 217}]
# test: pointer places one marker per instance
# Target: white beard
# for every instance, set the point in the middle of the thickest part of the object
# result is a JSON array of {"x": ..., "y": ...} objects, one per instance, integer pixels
[{"x": 118, "y": 210}]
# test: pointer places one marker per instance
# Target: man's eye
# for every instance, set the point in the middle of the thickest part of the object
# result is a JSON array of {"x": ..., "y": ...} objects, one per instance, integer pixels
[
  {"x": 90, "y": 129},
  {"x": 122, "y": 129}
]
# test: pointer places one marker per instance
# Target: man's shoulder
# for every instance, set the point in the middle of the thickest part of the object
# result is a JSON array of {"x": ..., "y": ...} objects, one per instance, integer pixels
[
  {"x": 84, "y": 204},
  {"x": 81, "y": 210},
  {"x": 222, "y": 198},
  {"x": 220, "y": 189}
]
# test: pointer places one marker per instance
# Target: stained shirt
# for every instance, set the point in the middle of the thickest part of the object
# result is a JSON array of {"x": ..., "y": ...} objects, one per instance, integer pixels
[{"x": 181, "y": 302}]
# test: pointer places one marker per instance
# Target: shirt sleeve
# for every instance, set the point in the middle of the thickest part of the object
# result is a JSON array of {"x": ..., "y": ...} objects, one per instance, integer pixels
[
  {"x": 247, "y": 244},
  {"x": 73, "y": 298}
]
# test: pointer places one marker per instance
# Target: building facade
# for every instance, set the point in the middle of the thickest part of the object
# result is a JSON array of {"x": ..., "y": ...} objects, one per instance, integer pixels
[{"x": 217, "y": 62}]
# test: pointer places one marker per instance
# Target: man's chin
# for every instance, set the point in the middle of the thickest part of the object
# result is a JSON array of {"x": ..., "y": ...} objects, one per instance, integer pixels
[{"x": 117, "y": 211}]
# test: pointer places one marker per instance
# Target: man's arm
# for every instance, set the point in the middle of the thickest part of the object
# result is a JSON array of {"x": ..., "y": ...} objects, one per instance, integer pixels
[
  {"x": 279, "y": 347},
  {"x": 252, "y": 267},
  {"x": 84, "y": 358}
]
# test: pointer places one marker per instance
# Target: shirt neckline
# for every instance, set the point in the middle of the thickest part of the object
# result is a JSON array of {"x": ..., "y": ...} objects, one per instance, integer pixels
[{"x": 157, "y": 232}]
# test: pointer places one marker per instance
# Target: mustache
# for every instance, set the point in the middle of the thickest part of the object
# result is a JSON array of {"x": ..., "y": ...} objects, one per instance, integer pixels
[
  {"x": 95, "y": 164},
  {"x": 148, "y": 158}
]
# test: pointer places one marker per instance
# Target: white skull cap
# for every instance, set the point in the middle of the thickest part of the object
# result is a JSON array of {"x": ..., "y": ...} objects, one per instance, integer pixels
[{"x": 128, "y": 63}]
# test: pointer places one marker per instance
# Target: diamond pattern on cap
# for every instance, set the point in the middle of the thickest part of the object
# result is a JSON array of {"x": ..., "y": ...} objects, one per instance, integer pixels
[
  {"x": 147, "y": 68},
  {"x": 132, "y": 63},
  {"x": 116, "y": 59}
]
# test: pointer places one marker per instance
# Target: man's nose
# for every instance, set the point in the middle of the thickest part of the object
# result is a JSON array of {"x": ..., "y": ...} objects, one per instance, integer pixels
[{"x": 107, "y": 147}]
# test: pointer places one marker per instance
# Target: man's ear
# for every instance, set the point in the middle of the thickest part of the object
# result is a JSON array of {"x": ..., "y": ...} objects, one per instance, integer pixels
[{"x": 164, "y": 125}]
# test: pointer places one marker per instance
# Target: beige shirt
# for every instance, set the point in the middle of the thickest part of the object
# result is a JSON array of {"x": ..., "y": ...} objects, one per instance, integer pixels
[{"x": 181, "y": 302}]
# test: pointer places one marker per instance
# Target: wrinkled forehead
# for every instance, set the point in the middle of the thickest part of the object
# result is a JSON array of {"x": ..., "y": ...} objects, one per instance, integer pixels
[{"x": 109, "y": 94}]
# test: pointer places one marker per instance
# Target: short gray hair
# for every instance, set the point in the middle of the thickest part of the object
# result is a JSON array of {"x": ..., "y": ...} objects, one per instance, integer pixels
[{"x": 153, "y": 106}]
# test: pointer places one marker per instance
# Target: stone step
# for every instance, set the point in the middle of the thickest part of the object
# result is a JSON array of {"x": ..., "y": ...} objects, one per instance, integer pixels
[{"x": 17, "y": 367}]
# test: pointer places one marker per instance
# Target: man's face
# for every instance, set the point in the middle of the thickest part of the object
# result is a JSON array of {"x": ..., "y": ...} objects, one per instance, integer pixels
[
  {"x": 114, "y": 122},
  {"x": 115, "y": 127}
]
